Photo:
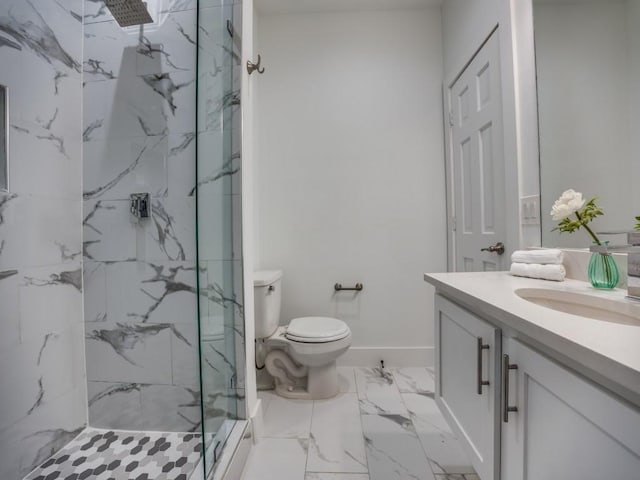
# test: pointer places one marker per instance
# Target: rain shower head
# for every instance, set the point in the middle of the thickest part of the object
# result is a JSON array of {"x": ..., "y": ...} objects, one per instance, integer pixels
[{"x": 129, "y": 12}]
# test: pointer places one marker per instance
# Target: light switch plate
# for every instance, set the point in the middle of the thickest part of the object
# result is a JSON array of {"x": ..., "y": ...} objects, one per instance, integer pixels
[{"x": 530, "y": 210}]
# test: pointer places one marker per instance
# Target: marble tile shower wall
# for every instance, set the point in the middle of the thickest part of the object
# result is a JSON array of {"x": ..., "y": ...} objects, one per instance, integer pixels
[
  {"x": 43, "y": 403},
  {"x": 140, "y": 278}
]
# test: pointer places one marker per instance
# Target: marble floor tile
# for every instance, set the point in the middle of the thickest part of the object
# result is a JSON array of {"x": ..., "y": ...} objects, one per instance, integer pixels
[
  {"x": 336, "y": 476},
  {"x": 378, "y": 392},
  {"x": 277, "y": 459},
  {"x": 266, "y": 396},
  {"x": 414, "y": 379},
  {"x": 339, "y": 439},
  {"x": 346, "y": 380},
  {"x": 336, "y": 443},
  {"x": 440, "y": 445},
  {"x": 393, "y": 449},
  {"x": 287, "y": 418}
]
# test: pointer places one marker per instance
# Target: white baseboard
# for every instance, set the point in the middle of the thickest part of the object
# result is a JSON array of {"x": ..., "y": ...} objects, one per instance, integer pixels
[
  {"x": 392, "y": 356},
  {"x": 257, "y": 420}
]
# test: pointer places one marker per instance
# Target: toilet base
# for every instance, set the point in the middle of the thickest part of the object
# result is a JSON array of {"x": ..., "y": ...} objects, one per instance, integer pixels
[{"x": 322, "y": 383}]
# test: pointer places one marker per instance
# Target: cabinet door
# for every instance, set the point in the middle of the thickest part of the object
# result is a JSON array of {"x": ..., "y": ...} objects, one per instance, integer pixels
[
  {"x": 467, "y": 354},
  {"x": 564, "y": 427}
]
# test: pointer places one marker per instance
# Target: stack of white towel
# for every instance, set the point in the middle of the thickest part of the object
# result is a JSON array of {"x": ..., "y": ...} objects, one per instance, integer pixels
[{"x": 545, "y": 264}]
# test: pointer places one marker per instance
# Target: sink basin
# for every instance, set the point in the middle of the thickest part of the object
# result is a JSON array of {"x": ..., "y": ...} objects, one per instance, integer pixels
[{"x": 590, "y": 306}]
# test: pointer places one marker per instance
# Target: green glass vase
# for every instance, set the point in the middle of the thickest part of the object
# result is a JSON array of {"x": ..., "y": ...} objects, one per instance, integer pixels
[{"x": 603, "y": 270}]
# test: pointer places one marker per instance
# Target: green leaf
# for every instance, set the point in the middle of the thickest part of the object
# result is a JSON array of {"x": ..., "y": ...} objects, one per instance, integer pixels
[{"x": 590, "y": 211}]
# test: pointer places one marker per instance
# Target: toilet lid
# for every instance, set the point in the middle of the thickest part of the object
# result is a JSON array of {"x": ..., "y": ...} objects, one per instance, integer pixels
[{"x": 316, "y": 329}]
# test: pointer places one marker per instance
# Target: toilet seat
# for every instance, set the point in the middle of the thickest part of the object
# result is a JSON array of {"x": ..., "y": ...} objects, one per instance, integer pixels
[{"x": 316, "y": 330}]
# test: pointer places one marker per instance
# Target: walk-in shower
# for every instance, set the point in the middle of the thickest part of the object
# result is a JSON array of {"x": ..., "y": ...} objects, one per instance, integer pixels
[
  {"x": 124, "y": 323},
  {"x": 219, "y": 234}
]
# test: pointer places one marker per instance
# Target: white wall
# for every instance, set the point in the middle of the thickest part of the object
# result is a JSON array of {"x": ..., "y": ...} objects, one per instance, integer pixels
[
  {"x": 349, "y": 179},
  {"x": 633, "y": 30},
  {"x": 466, "y": 25},
  {"x": 582, "y": 54},
  {"x": 248, "y": 104}
]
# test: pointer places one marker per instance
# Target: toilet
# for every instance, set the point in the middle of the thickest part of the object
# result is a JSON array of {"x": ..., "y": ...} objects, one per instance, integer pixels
[{"x": 301, "y": 356}]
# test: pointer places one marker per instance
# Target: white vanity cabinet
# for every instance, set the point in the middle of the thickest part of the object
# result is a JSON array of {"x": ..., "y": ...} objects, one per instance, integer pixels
[
  {"x": 521, "y": 415},
  {"x": 565, "y": 427},
  {"x": 467, "y": 362}
]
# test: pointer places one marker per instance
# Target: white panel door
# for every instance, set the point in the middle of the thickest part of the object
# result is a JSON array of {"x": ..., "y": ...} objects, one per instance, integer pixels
[
  {"x": 564, "y": 427},
  {"x": 477, "y": 156},
  {"x": 467, "y": 381}
]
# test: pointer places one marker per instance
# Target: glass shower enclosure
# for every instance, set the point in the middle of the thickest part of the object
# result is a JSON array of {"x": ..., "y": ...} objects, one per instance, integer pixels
[{"x": 219, "y": 233}]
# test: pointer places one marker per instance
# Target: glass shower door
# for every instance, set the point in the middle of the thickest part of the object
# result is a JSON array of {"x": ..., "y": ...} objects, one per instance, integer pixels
[{"x": 218, "y": 193}]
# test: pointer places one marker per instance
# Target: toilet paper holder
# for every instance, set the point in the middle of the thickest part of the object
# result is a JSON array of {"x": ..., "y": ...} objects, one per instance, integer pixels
[{"x": 338, "y": 287}]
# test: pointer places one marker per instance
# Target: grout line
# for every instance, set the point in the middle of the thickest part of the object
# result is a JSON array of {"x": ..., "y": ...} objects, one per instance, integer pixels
[
  {"x": 422, "y": 447},
  {"x": 366, "y": 456},
  {"x": 306, "y": 462},
  {"x": 366, "y": 450}
]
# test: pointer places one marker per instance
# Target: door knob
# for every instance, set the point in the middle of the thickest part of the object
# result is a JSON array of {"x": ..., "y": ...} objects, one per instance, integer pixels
[{"x": 497, "y": 248}]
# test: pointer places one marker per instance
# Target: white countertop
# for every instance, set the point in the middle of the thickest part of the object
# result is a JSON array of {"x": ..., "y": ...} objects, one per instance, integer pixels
[{"x": 606, "y": 352}]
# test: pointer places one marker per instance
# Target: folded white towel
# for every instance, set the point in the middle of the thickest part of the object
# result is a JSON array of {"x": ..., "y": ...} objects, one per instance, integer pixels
[
  {"x": 550, "y": 256},
  {"x": 536, "y": 270}
]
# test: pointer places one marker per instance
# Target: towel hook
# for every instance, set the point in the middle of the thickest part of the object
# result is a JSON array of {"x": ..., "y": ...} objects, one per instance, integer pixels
[{"x": 251, "y": 67}]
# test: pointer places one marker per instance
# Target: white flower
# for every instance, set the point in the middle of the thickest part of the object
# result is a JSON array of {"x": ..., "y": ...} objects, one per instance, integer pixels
[{"x": 569, "y": 202}]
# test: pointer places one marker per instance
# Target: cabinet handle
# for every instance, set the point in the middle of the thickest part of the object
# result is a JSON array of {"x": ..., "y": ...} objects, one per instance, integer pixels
[
  {"x": 481, "y": 382},
  {"x": 505, "y": 385}
]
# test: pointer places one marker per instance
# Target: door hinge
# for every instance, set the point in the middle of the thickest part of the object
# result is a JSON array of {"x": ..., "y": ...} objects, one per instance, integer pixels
[
  {"x": 453, "y": 224},
  {"x": 451, "y": 122}
]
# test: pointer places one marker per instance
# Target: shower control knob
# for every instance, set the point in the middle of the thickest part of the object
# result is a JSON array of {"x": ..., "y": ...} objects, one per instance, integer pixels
[{"x": 141, "y": 205}]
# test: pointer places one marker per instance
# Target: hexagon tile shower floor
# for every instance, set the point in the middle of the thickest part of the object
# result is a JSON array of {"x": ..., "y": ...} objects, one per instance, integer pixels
[{"x": 120, "y": 455}]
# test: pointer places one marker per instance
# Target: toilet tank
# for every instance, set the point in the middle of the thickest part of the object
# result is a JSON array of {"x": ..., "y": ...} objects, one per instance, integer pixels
[{"x": 267, "y": 294}]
